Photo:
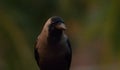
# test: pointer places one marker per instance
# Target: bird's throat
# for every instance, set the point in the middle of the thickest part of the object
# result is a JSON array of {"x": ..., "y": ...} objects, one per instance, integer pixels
[{"x": 55, "y": 36}]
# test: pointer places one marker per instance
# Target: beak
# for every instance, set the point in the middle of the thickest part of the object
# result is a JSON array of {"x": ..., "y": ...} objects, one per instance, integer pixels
[{"x": 61, "y": 26}]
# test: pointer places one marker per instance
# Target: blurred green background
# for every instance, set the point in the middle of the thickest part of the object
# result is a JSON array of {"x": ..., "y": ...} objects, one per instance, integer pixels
[{"x": 93, "y": 29}]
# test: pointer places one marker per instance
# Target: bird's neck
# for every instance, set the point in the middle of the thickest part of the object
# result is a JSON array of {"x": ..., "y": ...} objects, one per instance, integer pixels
[{"x": 55, "y": 36}]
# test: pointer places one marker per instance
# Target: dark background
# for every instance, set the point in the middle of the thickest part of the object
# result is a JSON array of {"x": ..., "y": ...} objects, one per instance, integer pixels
[{"x": 93, "y": 29}]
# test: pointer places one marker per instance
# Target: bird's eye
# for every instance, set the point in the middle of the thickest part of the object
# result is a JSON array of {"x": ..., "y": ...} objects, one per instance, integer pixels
[{"x": 53, "y": 22}]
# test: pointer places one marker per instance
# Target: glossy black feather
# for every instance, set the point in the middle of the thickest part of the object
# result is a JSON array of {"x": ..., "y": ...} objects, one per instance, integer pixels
[{"x": 69, "y": 56}]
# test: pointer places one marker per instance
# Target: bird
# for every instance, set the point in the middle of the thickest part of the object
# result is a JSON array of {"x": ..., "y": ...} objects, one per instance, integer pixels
[{"x": 53, "y": 49}]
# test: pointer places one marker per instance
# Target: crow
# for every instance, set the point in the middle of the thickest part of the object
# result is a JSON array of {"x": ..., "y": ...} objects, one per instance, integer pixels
[{"x": 52, "y": 49}]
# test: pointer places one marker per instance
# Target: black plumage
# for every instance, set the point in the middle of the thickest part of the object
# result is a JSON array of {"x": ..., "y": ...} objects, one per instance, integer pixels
[{"x": 52, "y": 49}]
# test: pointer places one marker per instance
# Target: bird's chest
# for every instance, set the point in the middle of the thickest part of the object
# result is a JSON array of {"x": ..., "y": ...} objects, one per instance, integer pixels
[{"x": 53, "y": 53}]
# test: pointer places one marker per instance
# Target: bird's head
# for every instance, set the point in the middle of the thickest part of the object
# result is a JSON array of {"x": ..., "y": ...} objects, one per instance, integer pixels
[
  {"x": 54, "y": 27},
  {"x": 56, "y": 23}
]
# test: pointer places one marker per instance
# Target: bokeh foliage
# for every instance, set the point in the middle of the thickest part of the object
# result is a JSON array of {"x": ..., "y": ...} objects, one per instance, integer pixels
[{"x": 93, "y": 28}]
